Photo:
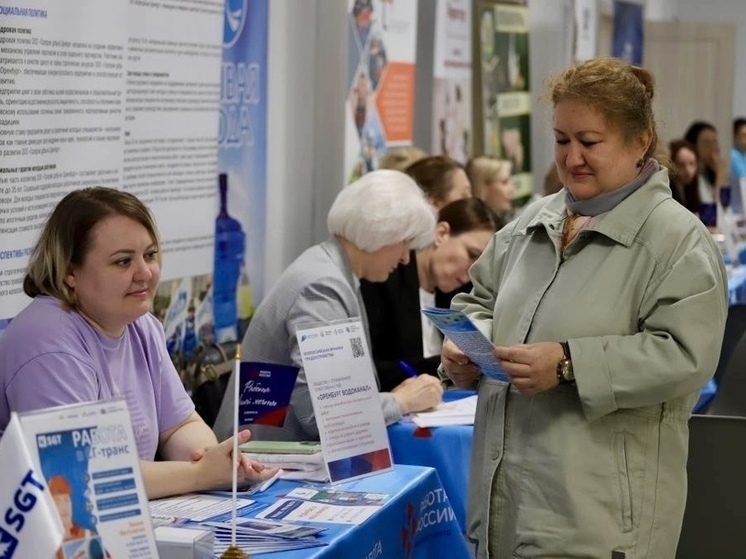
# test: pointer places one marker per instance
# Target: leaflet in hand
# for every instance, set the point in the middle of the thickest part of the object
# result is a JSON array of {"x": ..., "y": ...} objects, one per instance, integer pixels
[{"x": 457, "y": 327}]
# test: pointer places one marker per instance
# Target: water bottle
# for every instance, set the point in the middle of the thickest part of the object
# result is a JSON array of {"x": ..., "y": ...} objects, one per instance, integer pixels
[{"x": 230, "y": 243}]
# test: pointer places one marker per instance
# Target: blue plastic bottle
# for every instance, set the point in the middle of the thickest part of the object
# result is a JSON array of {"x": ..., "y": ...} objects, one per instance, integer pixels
[{"x": 230, "y": 244}]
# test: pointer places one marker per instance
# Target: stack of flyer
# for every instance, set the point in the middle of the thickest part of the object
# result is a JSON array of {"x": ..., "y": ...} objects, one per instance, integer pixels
[
  {"x": 331, "y": 506},
  {"x": 213, "y": 512}
]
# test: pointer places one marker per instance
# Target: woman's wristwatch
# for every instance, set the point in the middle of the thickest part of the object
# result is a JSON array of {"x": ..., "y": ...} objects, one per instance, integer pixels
[{"x": 565, "y": 372}]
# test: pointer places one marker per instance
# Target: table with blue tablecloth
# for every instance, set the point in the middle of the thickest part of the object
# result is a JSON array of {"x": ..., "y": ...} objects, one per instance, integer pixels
[
  {"x": 447, "y": 449},
  {"x": 416, "y": 522}
]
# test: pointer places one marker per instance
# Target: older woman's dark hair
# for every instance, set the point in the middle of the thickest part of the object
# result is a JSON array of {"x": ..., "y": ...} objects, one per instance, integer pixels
[
  {"x": 433, "y": 175},
  {"x": 65, "y": 239},
  {"x": 469, "y": 214},
  {"x": 622, "y": 93}
]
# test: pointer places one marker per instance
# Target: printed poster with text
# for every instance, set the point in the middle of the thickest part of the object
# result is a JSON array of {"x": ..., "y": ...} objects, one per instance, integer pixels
[
  {"x": 452, "y": 96},
  {"x": 62, "y": 111},
  {"x": 88, "y": 456},
  {"x": 119, "y": 94},
  {"x": 379, "y": 108}
]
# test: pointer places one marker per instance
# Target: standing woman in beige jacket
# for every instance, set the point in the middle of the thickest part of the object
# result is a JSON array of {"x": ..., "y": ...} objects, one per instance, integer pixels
[{"x": 607, "y": 304}]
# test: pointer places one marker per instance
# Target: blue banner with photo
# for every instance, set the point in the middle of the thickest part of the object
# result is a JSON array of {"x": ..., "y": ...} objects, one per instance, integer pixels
[{"x": 627, "y": 41}]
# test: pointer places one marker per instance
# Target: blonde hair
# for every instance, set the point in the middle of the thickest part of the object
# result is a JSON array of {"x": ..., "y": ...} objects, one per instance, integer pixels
[
  {"x": 482, "y": 171},
  {"x": 398, "y": 159},
  {"x": 66, "y": 238},
  {"x": 622, "y": 93}
]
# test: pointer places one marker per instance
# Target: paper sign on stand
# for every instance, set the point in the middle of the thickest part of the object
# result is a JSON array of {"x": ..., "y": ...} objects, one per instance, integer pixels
[
  {"x": 345, "y": 398},
  {"x": 88, "y": 456}
]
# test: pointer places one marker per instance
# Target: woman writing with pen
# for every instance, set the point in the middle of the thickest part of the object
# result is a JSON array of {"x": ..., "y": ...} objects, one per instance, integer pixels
[{"x": 403, "y": 342}]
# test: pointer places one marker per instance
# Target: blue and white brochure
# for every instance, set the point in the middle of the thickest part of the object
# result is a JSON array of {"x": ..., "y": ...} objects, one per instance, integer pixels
[
  {"x": 88, "y": 456},
  {"x": 457, "y": 327}
]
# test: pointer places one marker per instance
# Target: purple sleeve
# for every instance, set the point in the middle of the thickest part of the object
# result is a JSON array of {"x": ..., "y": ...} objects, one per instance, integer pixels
[
  {"x": 51, "y": 379},
  {"x": 174, "y": 404}
]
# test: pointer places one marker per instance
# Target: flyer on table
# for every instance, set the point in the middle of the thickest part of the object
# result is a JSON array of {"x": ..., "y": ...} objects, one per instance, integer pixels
[
  {"x": 345, "y": 397},
  {"x": 88, "y": 456}
]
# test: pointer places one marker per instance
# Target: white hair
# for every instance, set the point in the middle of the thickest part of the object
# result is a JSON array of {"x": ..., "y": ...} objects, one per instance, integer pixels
[{"x": 382, "y": 208}]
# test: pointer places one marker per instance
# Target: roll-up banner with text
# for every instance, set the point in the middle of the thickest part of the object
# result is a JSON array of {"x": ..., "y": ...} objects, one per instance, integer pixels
[{"x": 168, "y": 103}]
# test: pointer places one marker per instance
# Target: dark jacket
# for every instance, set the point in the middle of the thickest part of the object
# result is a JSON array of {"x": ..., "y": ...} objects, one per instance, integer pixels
[{"x": 393, "y": 309}]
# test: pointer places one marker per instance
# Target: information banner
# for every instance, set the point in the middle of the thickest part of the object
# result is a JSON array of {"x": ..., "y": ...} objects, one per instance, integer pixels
[
  {"x": 379, "y": 113},
  {"x": 123, "y": 93},
  {"x": 345, "y": 398},
  {"x": 452, "y": 112},
  {"x": 88, "y": 456},
  {"x": 62, "y": 84}
]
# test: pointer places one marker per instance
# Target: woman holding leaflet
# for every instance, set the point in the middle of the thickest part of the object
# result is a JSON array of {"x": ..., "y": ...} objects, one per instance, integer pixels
[
  {"x": 607, "y": 304},
  {"x": 88, "y": 336}
]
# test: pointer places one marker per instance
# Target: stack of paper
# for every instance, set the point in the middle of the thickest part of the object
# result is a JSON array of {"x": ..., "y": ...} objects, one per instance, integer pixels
[
  {"x": 199, "y": 512},
  {"x": 458, "y": 412},
  {"x": 254, "y": 535},
  {"x": 299, "y": 460}
]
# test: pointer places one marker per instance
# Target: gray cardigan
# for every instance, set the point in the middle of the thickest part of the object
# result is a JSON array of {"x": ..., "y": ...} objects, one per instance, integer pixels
[{"x": 317, "y": 287}]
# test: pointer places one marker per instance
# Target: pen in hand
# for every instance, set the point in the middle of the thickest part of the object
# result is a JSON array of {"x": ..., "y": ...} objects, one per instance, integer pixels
[{"x": 407, "y": 368}]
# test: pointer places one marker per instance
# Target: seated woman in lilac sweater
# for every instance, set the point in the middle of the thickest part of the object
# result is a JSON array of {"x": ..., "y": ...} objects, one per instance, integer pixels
[{"x": 88, "y": 336}]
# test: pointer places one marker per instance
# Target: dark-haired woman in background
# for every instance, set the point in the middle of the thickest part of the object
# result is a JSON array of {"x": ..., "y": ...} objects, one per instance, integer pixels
[
  {"x": 684, "y": 177},
  {"x": 713, "y": 171},
  {"x": 398, "y": 331}
]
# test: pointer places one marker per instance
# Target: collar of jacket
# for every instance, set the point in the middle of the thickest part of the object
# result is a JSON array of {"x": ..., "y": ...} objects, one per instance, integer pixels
[
  {"x": 621, "y": 225},
  {"x": 334, "y": 249}
]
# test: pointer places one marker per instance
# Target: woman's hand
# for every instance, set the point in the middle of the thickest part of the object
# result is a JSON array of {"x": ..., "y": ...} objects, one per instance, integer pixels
[
  {"x": 532, "y": 367},
  {"x": 421, "y": 393},
  {"x": 457, "y": 365},
  {"x": 215, "y": 466}
]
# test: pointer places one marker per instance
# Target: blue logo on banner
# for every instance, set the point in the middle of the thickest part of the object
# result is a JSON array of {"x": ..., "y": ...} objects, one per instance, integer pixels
[
  {"x": 235, "y": 18},
  {"x": 8, "y": 544}
]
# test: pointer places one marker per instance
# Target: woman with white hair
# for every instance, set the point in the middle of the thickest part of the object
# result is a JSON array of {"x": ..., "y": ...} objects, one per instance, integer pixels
[{"x": 372, "y": 223}]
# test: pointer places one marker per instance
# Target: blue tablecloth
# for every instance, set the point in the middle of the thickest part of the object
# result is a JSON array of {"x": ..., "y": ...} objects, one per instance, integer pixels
[
  {"x": 417, "y": 522},
  {"x": 447, "y": 449}
]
